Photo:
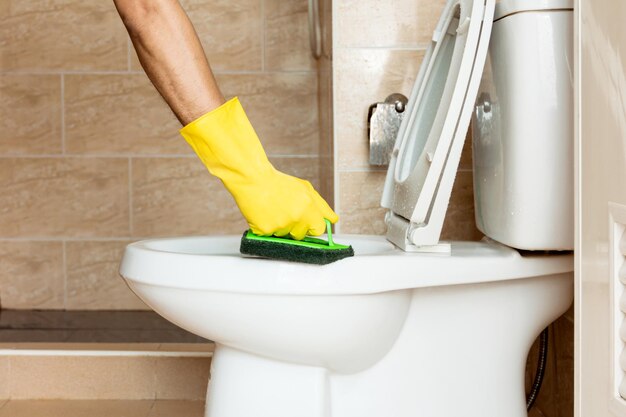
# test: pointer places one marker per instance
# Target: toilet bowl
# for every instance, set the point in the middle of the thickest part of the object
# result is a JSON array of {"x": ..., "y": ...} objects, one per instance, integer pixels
[
  {"x": 383, "y": 333},
  {"x": 409, "y": 326}
]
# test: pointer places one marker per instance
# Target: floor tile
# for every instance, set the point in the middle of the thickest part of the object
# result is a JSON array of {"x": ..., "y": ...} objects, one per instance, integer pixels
[
  {"x": 182, "y": 379},
  {"x": 82, "y": 377},
  {"x": 535, "y": 412}
]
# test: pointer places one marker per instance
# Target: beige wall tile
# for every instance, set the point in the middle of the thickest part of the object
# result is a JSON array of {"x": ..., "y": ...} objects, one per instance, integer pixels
[
  {"x": 360, "y": 194},
  {"x": 281, "y": 107},
  {"x": 231, "y": 33},
  {"x": 113, "y": 114},
  {"x": 176, "y": 408},
  {"x": 31, "y": 275},
  {"x": 64, "y": 197},
  {"x": 459, "y": 223},
  {"x": 82, "y": 377},
  {"x": 61, "y": 35},
  {"x": 76, "y": 408},
  {"x": 306, "y": 168},
  {"x": 466, "y": 161},
  {"x": 325, "y": 108},
  {"x": 386, "y": 22},
  {"x": 93, "y": 280},
  {"x": 183, "y": 380},
  {"x": 178, "y": 196},
  {"x": 287, "y": 36},
  {"x": 5, "y": 377},
  {"x": 363, "y": 77},
  {"x": 30, "y": 114},
  {"x": 359, "y": 202}
]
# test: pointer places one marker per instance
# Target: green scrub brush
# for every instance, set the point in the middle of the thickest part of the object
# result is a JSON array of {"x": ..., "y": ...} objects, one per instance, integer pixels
[{"x": 308, "y": 250}]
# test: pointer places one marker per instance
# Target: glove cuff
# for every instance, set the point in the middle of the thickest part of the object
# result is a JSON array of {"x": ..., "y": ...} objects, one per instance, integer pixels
[{"x": 227, "y": 144}]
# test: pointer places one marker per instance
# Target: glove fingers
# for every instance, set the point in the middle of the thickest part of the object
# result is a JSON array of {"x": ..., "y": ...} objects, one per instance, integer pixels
[
  {"x": 324, "y": 208},
  {"x": 327, "y": 212},
  {"x": 317, "y": 227},
  {"x": 258, "y": 231},
  {"x": 298, "y": 232},
  {"x": 282, "y": 231}
]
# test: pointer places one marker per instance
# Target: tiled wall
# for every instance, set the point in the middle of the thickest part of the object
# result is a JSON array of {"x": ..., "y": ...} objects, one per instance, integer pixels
[
  {"x": 325, "y": 101},
  {"x": 378, "y": 47},
  {"x": 90, "y": 156}
]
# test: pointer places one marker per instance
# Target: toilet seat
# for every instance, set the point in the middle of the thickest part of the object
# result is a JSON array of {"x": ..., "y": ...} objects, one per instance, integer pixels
[
  {"x": 430, "y": 140},
  {"x": 215, "y": 264}
]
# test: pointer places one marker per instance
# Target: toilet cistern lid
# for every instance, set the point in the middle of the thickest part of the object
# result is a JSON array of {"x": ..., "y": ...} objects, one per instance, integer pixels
[
  {"x": 509, "y": 7},
  {"x": 430, "y": 140}
]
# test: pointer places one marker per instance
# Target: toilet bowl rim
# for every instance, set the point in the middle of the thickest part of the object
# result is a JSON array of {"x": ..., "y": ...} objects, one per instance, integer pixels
[{"x": 387, "y": 270}]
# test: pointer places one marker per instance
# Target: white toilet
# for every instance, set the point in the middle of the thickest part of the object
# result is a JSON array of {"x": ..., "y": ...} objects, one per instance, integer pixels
[{"x": 410, "y": 326}]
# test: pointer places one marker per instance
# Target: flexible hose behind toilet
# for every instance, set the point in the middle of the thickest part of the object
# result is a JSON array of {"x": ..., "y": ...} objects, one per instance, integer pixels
[{"x": 541, "y": 369}]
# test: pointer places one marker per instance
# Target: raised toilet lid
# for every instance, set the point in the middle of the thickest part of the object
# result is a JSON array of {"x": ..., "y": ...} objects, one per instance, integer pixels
[{"x": 430, "y": 140}]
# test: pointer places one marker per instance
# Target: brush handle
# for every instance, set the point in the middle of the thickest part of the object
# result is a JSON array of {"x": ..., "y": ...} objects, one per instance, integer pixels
[{"x": 329, "y": 232}]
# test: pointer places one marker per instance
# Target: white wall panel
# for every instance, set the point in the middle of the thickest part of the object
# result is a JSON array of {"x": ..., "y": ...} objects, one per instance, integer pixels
[{"x": 602, "y": 179}]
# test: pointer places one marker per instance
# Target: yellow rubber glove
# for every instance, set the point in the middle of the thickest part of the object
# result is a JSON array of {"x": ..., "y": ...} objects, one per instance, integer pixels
[{"x": 272, "y": 202}]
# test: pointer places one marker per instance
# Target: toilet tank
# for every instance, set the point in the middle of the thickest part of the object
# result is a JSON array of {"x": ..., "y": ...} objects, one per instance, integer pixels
[{"x": 523, "y": 128}]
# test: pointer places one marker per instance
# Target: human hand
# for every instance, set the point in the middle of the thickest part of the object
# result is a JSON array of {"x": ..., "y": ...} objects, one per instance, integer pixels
[
  {"x": 272, "y": 202},
  {"x": 275, "y": 203}
]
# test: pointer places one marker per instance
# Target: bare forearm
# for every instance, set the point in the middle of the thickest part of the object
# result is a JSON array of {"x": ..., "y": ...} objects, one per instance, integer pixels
[{"x": 171, "y": 54}]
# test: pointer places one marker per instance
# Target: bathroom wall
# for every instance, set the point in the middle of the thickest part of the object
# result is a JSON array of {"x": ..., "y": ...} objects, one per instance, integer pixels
[
  {"x": 601, "y": 49},
  {"x": 325, "y": 101},
  {"x": 90, "y": 156},
  {"x": 378, "y": 47}
]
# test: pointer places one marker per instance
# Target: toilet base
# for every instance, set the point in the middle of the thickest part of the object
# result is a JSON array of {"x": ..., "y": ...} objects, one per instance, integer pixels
[
  {"x": 243, "y": 384},
  {"x": 462, "y": 351}
]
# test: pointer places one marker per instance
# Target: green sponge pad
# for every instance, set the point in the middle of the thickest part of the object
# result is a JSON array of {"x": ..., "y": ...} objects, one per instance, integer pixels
[{"x": 308, "y": 250}]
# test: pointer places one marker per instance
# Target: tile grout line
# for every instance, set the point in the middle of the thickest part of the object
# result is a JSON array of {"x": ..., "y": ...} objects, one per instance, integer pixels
[
  {"x": 128, "y": 54},
  {"x": 155, "y": 379},
  {"x": 81, "y": 239},
  {"x": 64, "y": 262},
  {"x": 336, "y": 198},
  {"x": 63, "y": 113},
  {"x": 141, "y": 72},
  {"x": 130, "y": 197},
  {"x": 152, "y": 405},
  {"x": 263, "y": 37},
  {"x": 368, "y": 169},
  {"x": 415, "y": 47},
  {"x": 10, "y": 377},
  {"x": 137, "y": 156}
]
